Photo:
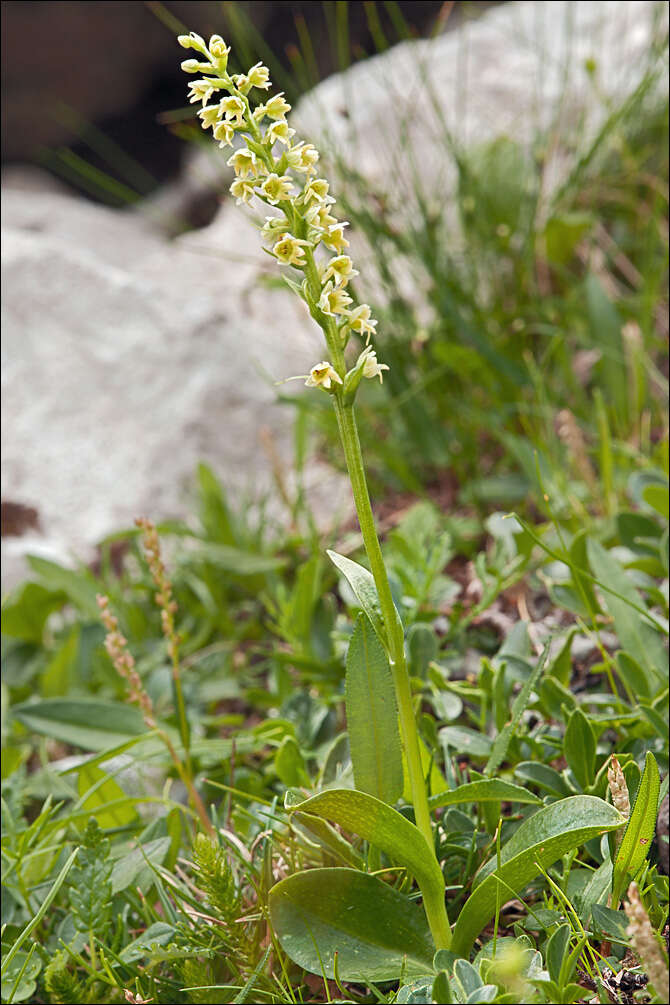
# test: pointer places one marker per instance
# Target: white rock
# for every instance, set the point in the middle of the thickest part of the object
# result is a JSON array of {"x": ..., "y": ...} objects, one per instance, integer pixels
[{"x": 126, "y": 358}]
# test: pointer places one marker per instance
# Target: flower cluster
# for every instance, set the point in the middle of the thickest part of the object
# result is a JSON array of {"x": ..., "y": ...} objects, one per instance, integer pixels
[{"x": 270, "y": 167}]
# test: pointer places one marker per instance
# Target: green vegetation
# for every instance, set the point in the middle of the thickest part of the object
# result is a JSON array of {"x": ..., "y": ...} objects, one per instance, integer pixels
[{"x": 217, "y": 805}]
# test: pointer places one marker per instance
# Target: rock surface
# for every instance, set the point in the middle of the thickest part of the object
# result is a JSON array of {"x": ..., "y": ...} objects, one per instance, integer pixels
[{"x": 127, "y": 358}]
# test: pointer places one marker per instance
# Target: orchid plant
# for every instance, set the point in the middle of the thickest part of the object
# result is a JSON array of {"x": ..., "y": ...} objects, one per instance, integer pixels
[{"x": 309, "y": 241}]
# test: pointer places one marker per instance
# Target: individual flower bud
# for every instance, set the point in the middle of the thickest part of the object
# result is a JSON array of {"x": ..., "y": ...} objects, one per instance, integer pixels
[
  {"x": 334, "y": 300},
  {"x": 242, "y": 191},
  {"x": 334, "y": 237},
  {"x": 193, "y": 41},
  {"x": 259, "y": 76},
  {"x": 243, "y": 162},
  {"x": 279, "y": 130},
  {"x": 210, "y": 115},
  {"x": 219, "y": 52},
  {"x": 323, "y": 375},
  {"x": 289, "y": 250},
  {"x": 234, "y": 109},
  {"x": 224, "y": 131},
  {"x": 316, "y": 190},
  {"x": 361, "y": 321},
  {"x": 277, "y": 107},
  {"x": 340, "y": 270},
  {"x": 276, "y": 189},
  {"x": 191, "y": 65}
]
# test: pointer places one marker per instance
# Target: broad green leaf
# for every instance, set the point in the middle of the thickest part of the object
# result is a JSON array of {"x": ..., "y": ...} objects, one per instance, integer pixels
[
  {"x": 362, "y": 583},
  {"x": 490, "y": 790},
  {"x": 657, "y": 497},
  {"x": 640, "y": 831},
  {"x": 372, "y": 716},
  {"x": 378, "y": 823},
  {"x": 26, "y": 610},
  {"x": 636, "y": 634},
  {"x": 289, "y": 763},
  {"x": 467, "y": 741},
  {"x": 79, "y": 585},
  {"x": 232, "y": 560},
  {"x": 538, "y": 841},
  {"x": 557, "y": 948},
  {"x": 377, "y": 933},
  {"x": 104, "y": 790},
  {"x": 57, "y": 676},
  {"x": 91, "y": 723},
  {"x": 633, "y": 676},
  {"x": 519, "y": 706},
  {"x": 544, "y": 776},
  {"x": 579, "y": 747},
  {"x": 388, "y": 830},
  {"x": 129, "y": 868}
]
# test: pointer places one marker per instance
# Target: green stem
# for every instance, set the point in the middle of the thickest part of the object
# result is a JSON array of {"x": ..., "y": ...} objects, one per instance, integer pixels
[
  {"x": 434, "y": 905},
  {"x": 396, "y": 643}
]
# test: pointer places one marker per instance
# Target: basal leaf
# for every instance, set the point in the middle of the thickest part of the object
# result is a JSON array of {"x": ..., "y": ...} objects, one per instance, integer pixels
[
  {"x": 372, "y": 716},
  {"x": 377, "y": 933},
  {"x": 390, "y": 831},
  {"x": 539, "y": 841}
]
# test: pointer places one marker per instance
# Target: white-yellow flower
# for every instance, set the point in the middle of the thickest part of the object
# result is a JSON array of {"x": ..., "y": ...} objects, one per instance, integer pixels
[
  {"x": 279, "y": 130},
  {"x": 290, "y": 250},
  {"x": 323, "y": 375},
  {"x": 243, "y": 163},
  {"x": 303, "y": 157},
  {"x": 371, "y": 368},
  {"x": 334, "y": 300},
  {"x": 316, "y": 190},
  {"x": 224, "y": 131},
  {"x": 361, "y": 321},
  {"x": 210, "y": 115},
  {"x": 234, "y": 109},
  {"x": 243, "y": 191},
  {"x": 275, "y": 108},
  {"x": 191, "y": 65},
  {"x": 276, "y": 189},
  {"x": 201, "y": 90},
  {"x": 259, "y": 76},
  {"x": 320, "y": 216},
  {"x": 340, "y": 270},
  {"x": 334, "y": 237}
]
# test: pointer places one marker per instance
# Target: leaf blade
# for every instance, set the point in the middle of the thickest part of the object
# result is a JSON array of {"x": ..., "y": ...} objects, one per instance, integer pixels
[{"x": 372, "y": 716}]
